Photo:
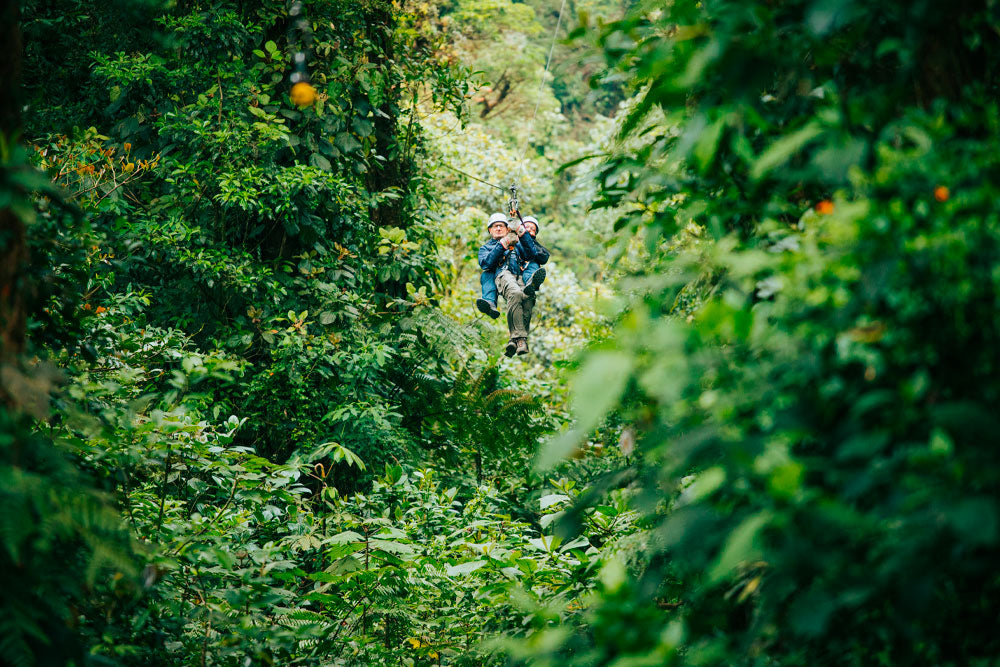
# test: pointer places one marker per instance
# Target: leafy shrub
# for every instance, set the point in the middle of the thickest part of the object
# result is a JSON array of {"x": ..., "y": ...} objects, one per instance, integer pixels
[{"x": 814, "y": 387}]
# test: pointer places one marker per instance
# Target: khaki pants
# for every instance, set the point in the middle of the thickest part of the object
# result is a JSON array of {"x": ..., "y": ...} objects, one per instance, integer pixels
[{"x": 519, "y": 305}]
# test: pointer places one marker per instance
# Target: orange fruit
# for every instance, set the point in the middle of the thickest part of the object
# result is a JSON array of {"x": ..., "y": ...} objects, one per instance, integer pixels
[
  {"x": 825, "y": 207},
  {"x": 941, "y": 193}
]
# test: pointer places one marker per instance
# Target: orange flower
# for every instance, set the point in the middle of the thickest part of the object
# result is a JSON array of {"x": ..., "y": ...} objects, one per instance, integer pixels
[
  {"x": 825, "y": 207},
  {"x": 941, "y": 193},
  {"x": 128, "y": 146},
  {"x": 101, "y": 309},
  {"x": 303, "y": 94}
]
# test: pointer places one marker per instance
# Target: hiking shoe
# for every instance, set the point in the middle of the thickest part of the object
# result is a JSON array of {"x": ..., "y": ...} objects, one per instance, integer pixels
[
  {"x": 522, "y": 346},
  {"x": 510, "y": 349},
  {"x": 537, "y": 278},
  {"x": 488, "y": 308}
]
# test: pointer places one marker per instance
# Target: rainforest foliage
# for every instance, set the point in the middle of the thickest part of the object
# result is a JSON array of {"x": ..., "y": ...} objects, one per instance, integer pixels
[{"x": 249, "y": 416}]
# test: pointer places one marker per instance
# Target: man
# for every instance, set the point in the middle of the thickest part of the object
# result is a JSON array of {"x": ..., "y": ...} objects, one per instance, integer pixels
[
  {"x": 507, "y": 257},
  {"x": 497, "y": 228}
]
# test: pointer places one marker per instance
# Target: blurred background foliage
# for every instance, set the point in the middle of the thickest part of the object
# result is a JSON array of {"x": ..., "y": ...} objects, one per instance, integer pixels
[
  {"x": 250, "y": 415},
  {"x": 807, "y": 352}
]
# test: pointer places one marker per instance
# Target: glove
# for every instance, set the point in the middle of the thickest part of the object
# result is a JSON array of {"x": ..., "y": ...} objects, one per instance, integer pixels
[
  {"x": 515, "y": 226},
  {"x": 510, "y": 240}
]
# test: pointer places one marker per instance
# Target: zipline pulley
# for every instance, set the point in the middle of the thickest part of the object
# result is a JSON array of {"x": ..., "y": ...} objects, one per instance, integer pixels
[{"x": 513, "y": 205}]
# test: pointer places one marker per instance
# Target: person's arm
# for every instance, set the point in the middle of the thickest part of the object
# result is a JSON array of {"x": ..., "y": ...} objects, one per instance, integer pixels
[
  {"x": 490, "y": 255},
  {"x": 541, "y": 253},
  {"x": 531, "y": 251}
]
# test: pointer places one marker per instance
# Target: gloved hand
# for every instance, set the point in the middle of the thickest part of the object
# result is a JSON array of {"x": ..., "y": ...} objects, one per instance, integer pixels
[
  {"x": 515, "y": 226},
  {"x": 510, "y": 240}
]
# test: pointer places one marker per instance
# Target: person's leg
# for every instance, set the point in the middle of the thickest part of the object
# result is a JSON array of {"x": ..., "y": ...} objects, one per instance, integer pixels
[
  {"x": 508, "y": 287},
  {"x": 488, "y": 281},
  {"x": 527, "y": 305},
  {"x": 488, "y": 303},
  {"x": 533, "y": 276}
]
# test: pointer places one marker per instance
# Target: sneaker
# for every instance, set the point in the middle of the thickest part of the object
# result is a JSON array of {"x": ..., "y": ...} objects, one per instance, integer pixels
[
  {"x": 522, "y": 346},
  {"x": 537, "y": 278},
  {"x": 488, "y": 308},
  {"x": 510, "y": 349}
]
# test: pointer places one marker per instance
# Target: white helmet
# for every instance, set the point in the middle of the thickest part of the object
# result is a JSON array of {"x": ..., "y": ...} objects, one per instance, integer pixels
[{"x": 495, "y": 218}]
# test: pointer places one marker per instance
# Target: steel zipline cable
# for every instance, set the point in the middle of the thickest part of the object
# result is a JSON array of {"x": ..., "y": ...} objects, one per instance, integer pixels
[
  {"x": 513, "y": 203},
  {"x": 468, "y": 175}
]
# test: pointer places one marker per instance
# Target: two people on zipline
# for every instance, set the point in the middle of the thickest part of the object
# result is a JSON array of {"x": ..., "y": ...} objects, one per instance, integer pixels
[{"x": 512, "y": 266}]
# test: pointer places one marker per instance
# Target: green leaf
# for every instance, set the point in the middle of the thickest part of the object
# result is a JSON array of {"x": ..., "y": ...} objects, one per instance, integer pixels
[
  {"x": 335, "y": 551},
  {"x": 596, "y": 389},
  {"x": 704, "y": 484},
  {"x": 464, "y": 568},
  {"x": 708, "y": 141},
  {"x": 779, "y": 152},
  {"x": 740, "y": 547},
  {"x": 319, "y": 161},
  {"x": 391, "y": 546},
  {"x": 347, "y": 143},
  {"x": 347, "y": 536},
  {"x": 552, "y": 499}
]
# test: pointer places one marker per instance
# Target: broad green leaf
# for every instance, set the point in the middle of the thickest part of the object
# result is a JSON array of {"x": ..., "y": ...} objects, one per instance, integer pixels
[
  {"x": 346, "y": 536},
  {"x": 464, "y": 568},
  {"x": 552, "y": 499},
  {"x": 740, "y": 547},
  {"x": 596, "y": 389}
]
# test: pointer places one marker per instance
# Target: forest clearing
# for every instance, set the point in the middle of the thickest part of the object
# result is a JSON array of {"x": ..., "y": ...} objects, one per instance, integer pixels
[{"x": 621, "y": 333}]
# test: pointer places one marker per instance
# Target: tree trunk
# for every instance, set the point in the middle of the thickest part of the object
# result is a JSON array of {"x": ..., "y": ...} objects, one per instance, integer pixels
[
  {"x": 13, "y": 249},
  {"x": 393, "y": 173}
]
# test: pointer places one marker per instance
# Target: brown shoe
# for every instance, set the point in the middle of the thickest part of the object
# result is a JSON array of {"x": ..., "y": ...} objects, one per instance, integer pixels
[
  {"x": 522, "y": 346},
  {"x": 510, "y": 349}
]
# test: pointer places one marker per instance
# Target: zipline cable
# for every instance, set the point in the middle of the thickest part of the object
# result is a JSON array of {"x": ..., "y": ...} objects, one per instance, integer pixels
[
  {"x": 538, "y": 100},
  {"x": 501, "y": 189},
  {"x": 513, "y": 204}
]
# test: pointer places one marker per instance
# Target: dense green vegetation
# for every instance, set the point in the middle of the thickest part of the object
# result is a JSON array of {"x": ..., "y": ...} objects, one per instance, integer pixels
[{"x": 248, "y": 414}]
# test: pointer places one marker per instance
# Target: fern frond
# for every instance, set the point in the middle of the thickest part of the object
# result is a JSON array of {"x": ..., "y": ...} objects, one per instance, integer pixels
[
  {"x": 14, "y": 650},
  {"x": 476, "y": 388},
  {"x": 499, "y": 398}
]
